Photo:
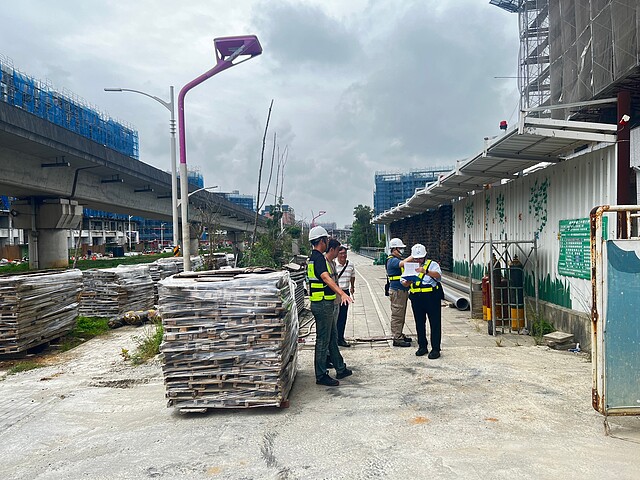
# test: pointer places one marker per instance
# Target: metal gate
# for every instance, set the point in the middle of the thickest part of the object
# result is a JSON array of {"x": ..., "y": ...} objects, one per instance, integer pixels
[{"x": 615, "y": 316}]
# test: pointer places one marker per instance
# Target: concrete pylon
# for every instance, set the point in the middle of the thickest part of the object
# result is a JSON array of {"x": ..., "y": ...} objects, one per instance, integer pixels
[{"x": 47, "y": 221}]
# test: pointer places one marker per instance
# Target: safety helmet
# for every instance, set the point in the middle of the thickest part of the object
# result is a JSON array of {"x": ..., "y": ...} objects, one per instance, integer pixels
[
  {"x": 418, "y": 251},
  {"x": 396, "y": 243},
  {"x": 317, "y": 232}
]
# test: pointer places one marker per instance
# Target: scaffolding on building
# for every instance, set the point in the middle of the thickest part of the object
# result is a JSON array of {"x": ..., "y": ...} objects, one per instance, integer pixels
[
  {"x": 534, "y": 79},
  {"x": 65, "y": 109}
]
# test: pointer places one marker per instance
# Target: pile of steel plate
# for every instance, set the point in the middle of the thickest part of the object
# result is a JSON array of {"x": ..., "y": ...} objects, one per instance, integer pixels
[
  {"x": 298, "y": 274},
  {"x": 37, "y": 307},
  {"x": 230, "y": 339},
  {"x": 110, "y": 292},
  {"x": 163, "y": 268}
]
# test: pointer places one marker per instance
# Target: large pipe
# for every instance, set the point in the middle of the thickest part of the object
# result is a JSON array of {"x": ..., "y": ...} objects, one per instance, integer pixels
[
  {"x": 457, "y": 298},
  {"x": 457, "y": 293}
]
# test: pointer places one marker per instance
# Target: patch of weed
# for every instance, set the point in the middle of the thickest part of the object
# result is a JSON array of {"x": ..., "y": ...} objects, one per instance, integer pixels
[
  {"x": 85, "y": 329},
  {"x": 148, "y": 344},
  {"x": 23, "y": 367}
]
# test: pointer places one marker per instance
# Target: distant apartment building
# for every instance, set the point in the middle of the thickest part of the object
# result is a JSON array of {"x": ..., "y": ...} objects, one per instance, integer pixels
[
  {"x": 392, "y": 188},
  {"x": 246, "y": 201},
  {"x": 288, "y": 214}
]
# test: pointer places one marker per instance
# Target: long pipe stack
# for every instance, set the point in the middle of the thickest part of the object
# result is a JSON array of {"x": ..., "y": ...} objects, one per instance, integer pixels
[
  {"x": 36, "y": 308},
  {"x": 229, "y": 342}
]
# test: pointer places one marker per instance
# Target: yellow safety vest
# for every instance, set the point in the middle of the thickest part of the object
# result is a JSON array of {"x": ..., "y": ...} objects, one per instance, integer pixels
[
  {"x": 416, "y": 286},
  {"x": 317, "y": 286},
  {"x": 395, "y": 277}
]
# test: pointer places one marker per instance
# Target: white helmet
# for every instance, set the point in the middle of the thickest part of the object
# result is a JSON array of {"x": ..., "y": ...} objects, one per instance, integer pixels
[
  {"x": 418, "y": 251},
  {"x": 317, "y": 232},
  {"x": 396, "y": 243}
]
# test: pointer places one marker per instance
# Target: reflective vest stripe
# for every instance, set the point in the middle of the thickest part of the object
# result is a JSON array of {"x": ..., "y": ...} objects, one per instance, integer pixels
[
  {"x": 317, "y": 286},
  {"x": 415, "y": 286},
  {"x": 401, "y": 270}
]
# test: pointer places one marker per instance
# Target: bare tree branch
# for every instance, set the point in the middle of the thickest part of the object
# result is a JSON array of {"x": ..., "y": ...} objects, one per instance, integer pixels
[
  {"x": 273, "y": 153},
  {"x": 264, "y": 142}
]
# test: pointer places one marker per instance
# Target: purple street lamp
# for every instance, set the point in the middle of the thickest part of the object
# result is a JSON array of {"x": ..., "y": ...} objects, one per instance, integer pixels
[{"x": 230, "y": 51}]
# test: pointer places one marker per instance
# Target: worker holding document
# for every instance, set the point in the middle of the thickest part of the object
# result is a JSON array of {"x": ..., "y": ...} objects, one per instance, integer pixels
[{"x": 422, "y": 276}]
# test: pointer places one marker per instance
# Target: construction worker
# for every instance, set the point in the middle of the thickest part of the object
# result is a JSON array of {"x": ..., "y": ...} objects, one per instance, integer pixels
[
  {"x": 425, "y": 293},
  {"x": 322, "y": 293},
  {"x": 398, "y": 294}
]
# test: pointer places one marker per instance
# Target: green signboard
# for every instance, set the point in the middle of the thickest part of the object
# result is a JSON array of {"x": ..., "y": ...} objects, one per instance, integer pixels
[{"x": 575, "y": 247}]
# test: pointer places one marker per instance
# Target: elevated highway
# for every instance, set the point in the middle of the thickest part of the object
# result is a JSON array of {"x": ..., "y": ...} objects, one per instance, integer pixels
[{"x": 55, "y": 172}]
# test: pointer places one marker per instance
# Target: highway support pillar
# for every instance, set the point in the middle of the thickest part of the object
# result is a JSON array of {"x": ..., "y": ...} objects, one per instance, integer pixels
[{"x": 47, "y": 221}]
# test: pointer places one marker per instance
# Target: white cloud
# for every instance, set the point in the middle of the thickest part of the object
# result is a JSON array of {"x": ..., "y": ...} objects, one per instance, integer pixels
[{"x": 359, "y": 86}]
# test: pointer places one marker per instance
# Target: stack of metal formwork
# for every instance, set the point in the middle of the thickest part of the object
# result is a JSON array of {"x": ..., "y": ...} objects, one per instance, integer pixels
[
  {"x": 110, "y": 292},
  {"x": 298, "y": 274},
  {"x": 37, "y": 307},
  {"x": 229, "y": 341},
  {"x": 163, "y": 268}
]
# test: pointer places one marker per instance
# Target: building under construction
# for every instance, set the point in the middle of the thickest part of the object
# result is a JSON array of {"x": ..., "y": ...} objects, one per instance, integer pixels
[
  {"x": 530, "y": 193},
  {"x": 576, "y": 50}
]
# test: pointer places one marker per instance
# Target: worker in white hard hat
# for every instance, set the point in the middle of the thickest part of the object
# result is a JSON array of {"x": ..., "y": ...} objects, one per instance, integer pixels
[
  {"x": 398, "y": 294},
  {"x": 323, "y": 292},
  {"x": 425, "y": 293}
]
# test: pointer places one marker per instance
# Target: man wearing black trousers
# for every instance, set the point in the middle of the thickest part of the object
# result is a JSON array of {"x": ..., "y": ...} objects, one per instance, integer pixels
[
  {"x": 425, "y": 294},
  {"x": 347, "y": 282}
]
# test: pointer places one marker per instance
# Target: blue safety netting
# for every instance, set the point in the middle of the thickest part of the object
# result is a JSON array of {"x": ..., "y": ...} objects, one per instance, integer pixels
[{"x": 36, "y": 97}]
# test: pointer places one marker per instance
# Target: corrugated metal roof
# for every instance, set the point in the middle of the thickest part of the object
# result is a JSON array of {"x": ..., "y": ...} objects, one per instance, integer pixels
[{"x": 533, "y": 142}]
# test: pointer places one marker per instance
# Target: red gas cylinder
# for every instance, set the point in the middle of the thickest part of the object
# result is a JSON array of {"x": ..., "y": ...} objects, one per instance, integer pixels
[{"x": 486, "y": 298}]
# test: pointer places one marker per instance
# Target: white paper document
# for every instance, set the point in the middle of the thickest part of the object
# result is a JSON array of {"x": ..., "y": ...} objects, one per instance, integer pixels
[{"x": 410, "y": 271}]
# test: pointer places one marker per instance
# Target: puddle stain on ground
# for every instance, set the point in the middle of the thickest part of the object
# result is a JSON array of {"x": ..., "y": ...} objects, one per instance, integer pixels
[{"x": 419, "y": 420}]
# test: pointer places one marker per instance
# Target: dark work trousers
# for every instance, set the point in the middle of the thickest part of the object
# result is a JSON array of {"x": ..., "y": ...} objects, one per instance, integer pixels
[
  {"x": 325, "y": 314},
  {"x": 427, "y": 304},
  {"x": 342, "y": 318}
]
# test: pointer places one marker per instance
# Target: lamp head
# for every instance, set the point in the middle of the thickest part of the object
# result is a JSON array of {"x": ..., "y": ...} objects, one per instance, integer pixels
[{"x": 229, "y": 49}]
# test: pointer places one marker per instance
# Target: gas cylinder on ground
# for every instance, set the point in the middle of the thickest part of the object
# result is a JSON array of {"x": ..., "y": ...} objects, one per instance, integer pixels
[
  {"x": 486, "y": 298},
  {"x": 516, "y": 293}
]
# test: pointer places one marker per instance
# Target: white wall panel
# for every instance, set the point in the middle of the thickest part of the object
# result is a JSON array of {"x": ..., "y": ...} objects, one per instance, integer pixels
[{"x": 533, "y": 205}]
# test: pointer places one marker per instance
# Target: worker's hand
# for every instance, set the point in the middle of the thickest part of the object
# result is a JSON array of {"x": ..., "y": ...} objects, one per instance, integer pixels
[
  {"x": 404, "y": 282},
  {"x": 345, "y": 299}
]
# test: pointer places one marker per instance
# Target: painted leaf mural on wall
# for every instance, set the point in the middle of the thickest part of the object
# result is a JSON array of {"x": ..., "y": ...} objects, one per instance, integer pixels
[
  {"x": 538, "y": 203},
  {"x": 468, "y": 215},
  {"x": 487, "y": 207},
  {"x": 500, "y": 212}
]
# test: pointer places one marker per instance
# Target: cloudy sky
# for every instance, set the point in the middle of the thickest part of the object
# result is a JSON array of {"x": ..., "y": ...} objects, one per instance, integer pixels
[{"x": 358, "y": 86}]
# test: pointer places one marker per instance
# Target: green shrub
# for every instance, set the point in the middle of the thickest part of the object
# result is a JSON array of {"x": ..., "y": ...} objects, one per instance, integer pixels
[{"x": 541, "y": 327}]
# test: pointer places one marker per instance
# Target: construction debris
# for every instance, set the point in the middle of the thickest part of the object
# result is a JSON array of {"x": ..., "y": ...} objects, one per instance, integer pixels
[
  {"x": 230, "y": 339},
  {"x": 135, "y": 318},
  {"x": 36, "y": 308},
  {"x": 559, "y": 340}
]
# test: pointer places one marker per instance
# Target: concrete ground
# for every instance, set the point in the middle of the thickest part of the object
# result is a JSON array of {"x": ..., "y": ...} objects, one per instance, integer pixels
[{"x": 488, "y": 408}]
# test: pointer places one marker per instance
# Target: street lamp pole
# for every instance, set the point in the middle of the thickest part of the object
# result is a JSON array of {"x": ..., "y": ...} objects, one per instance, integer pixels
[
  {"x": 313, "y": 221},
  {"x": 227, "y": 50},
  {"x": 162, "y": 235},
  {"x": 170, "y": 105},
  {"x": 129, "y": 232},
  {"x": 196, "y": 191}
]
